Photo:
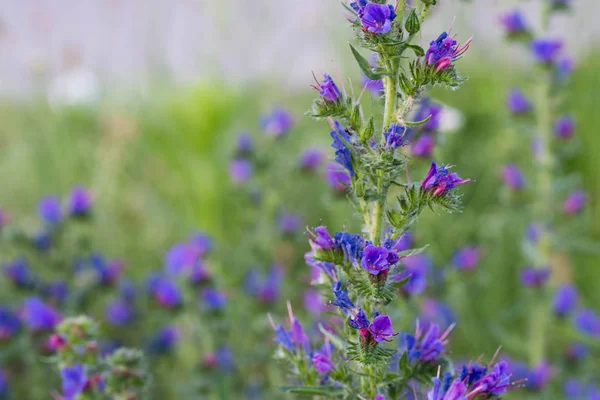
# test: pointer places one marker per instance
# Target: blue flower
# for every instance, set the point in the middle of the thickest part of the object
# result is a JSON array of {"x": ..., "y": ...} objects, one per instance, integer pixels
[
  {"x": 9, "y": 323},
  {"x": 445, "y": 50},
  {"x": 359, "y": 320},
  {"x": 119, "y": 313},
  {"x": 427, "y": 347},
  {"x": 377, "y": 18},
  {"x": 328, "y": 89},
  {"x": 240, "y": 170},
  {"x": 513, "y": 22},
  {"x": 213, "y": 299},
  {"x": 440, "y": 181},
  {"x": 342, "y": 300},
  {"x": 277, "y": 123},
  {"x": 49, "y": 210},
  {"x": 19, "y": 273},
  {"x": 587, "y": 322},
  {"x": 565, "y": 300},
  {"x": 74, "y": 380},
  {"x": 564, "y": 127},
  {"x": 283, "y": 337},
  {"x": 513, "y": 177},
  {"x": 351, "y": 245},
  {"x": 164, "y": 340},
  {"x": 534, "y": 277},
  {"x": 310, "y": 159},
  {"x": 546, "y": 51},
  {"x": 343, "y": 155},
  {"x": 375, "y": 259},
  {"x": 165, "y": 292},
  {"x": 466, "y": 258},
  {"x": 394, "y": 137},
  {"x": 39, "y": 316},
  {"x": 80, "y": 202},
  {"x": 517, "y": 103}
]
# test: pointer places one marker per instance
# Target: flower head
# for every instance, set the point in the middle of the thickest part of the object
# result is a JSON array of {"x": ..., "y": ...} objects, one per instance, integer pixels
[
  {"x": 375, "y": 259},
  {"x": 9, "y": 324},
  {"x": 587, "y": 322},
  {"x": 19, "y": 273},
  {"x": 80, "y": 202},
  {"x": 445, "y": 50},
  {"x": 546, "y": 51},
  {"x": 277, "y": 123},
  {"x": 321, "y": 360},
  {"x": 49, "y": 210},
  {"x": 311, "y": 159},
  {"x": 164, "y": 340},
  {"x": 288, "y": 222},
  {"x": 565, "y": 300},
  {"x": 415, "y": 267},
  {"x": 321, "y": 238},
  {"x": 351, "y": 245},
  {"x": 74, "y": 380},
  {"x": 337, "y": 177},
  {"x": 39, "y": 316},
  {"x": 513, "y": 22},
  {"x": 165, "y": 292},
  {"x": 343, "y": 155},
  {"x": 381, "y": 328},
  {"x": 517, "y": 103},
  {"x": 575, "y": 202},
  {"x": 425, "y": 347},
  {"x": 328, "y": 89},
  {"x": 377, "y": 18},
  {"x": 534, "y": 277},
  {"x": 513, "y": 177},
  {"x": 243, "y": 144},
  {"x": 119, "y": 312},
  {"x": 440, "y": 181},
  {"x": 213, "y": 299},
  {"x": 394, "y": 137},
  {"x": 240, "y": 170},
  {"x": 564, "y": 127},
  {"x": 423, "y": 146},
  {"x": 466, "y": 258},
  {"x": 342, "y": 300}
]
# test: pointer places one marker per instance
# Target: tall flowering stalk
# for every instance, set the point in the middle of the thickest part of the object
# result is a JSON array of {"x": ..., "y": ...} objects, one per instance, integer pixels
[
  {"x": 360, "y": 354},
  {"x": 551, "y": 132}
]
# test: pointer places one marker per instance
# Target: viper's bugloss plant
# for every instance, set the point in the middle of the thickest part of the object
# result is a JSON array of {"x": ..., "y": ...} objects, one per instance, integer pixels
[
  {"x": 557, "y": 329},
  {"x": 362, "y": 353}
]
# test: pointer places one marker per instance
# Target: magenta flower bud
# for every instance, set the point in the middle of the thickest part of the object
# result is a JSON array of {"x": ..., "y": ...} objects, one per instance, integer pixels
[
  {"x": 56, "y": 342},
  {"x": 445, "y": 50},
  {"x": 381, "y": 328},
  {"x": 575, "y": 202},
  {"x": 512, "y": 177},
  {"x": 564, "y": 127},
  {"x": 440, "y": 181}
]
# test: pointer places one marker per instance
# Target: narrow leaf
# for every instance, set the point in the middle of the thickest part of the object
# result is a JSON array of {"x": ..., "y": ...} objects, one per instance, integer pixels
[
  {"x": 314, "y": 390},
  {"x": 418, "y": 123},
  {"x": 364, "y": 65}
]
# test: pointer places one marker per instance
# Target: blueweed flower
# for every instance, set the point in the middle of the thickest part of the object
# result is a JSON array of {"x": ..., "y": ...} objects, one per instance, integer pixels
[
  {"x": 199, "y": 274},
  {"x": 321, "y": 238},
  {"x": 240, "y": 170},
  {"x": 575, "y": 352},
  {"x": 373, "y": 86},
  {"x": 402, "y": 243},
  {"x": 375, "y": 259},
  {"x": 486, "y": 384},
  {"x": 447, "y": 390},
  {"x": 564, "y": 127},
  {"x": 415, "y": 267},
  {"x": 433, "y": 111},
  {"x": 564, "y": 68},
  {"x": 517, "y": 103},
  {"x": 534, "y": 231},
  {"x": 375, "y": 18},
  {"x": 42, "y": 241},
  {"x": 394, "y": 137},
  {"x": 565, "y": 299},
  {"x": 283, "y": 337},
  {"x": 266, "y": 290},
  {"x": 164, "y": 340},
  {"x": 342, "y": 300},
  {"x": 444, "y": 51},
  {"x": 109, "y": 272},
  {"x": 9, "y": 324},
  {"x": 74, "y": 380},
  {"x": 546, "y": 51},
  {"x": 535, "y": 277},
  {"x": 119, "y": 312},
  {"x": 575, "y": 202},
  {"x": 426, "y": 346},
  {"x": 351, "y": 245},
  {"x": 514, "y": 22},
  {"x": 311, "y": 159},
  {"x": 165, "y": 292},
  {"x": 321, "y": 359},
  {"x": 297, "y": 334},
  {"x": 19, "y": 273},
  {"x": 288, "y": 222},
  {"x": 313, "y": 302},
  {"x": 587, "y": 322},
  {"x": 539, "y": 376},
  {"x": 381, "y": 328},
  {"x": 337, "y": 177},
  {"x": 438, "y": 312},
  {"x": 79, "y": 202},
  {"x": 39, "y": 316},
  {"x": 224, "y": 358},
  {"x": 277, "y": 123},
  {"x": 328, "y": 89},
  {"x": 201, "y": 243},
  {"x": 359, "y": 320},
  {"x": 343, "y": 155},
  {"x": 57, "y": 291},
  {"x": 244, "y": 144},
  {"x": 440, "y": 181},
  {"x": 513, "y": 177},
  {"x": 49, "y": 210},
  {"x": 213, "y": 299},
  {"x": 466, "y": 258}
]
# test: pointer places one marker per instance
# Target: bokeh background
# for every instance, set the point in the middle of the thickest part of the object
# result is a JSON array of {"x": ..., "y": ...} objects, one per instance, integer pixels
[{"x": 142, "y": 100}]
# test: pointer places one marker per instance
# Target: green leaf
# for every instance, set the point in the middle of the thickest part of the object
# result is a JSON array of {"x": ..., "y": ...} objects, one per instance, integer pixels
[
  {"x": 412, "y": 252},
  {"x": 419, "y": 52},
  {"x": 418, "y": 123},
  {"x": 364, "y": 65},
  {"x": 314, "y": 390},
  {"x": 403, "y": 364}
]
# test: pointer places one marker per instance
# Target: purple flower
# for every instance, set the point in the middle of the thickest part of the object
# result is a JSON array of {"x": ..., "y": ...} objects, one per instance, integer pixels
[
  {"x": 494, "y": 383},
  {"x": 343, "y": 155},
  {"x": 358, "y": 320},
  {"x": 513, "y": 22},
  {"x": 39, "y": 316},
  {"x": 513, "y": 177},
  {"x": 444, "y": 50},
  {"x": 311, "y": 159},
  {"x": 539, "y": 376},
  {"x": 534, "y": 277},
  {"x": 402, "y": 243},
  {"x": 266, "y": 290},
  {"x": 342, "y": 300},
  {"x": 565, "y": 299},
  {"x": 57, "y": 291},
  {"x": 74, "y": 380},
  {"x": 49, "y": 210},
  {"x": 534, "y": 232},
  {"x": 564, "y": 127},
  {"x": 437, "y": 312},
  {"x": 565, "y": 67},
  {"x": 440, "y": 181},
  {"x": 351, "y": 245},
  {"x": 178, "y": 258},
  {"x": 288, "y": 223},
  {"x": 466, "y": 258},
  {"x": 431, "y": 110},
  {"x": 328, "y": 89},
  {"x": 9, "y": 324},
  {"x": 213, "y": 299},
  {"x": 313, "y": 302},
  {"x": 381, "y": 328},
  {"x": 546, "y": 51},
  {"x": 375, "y": 259},
  {"x": 321, "y": 238},
  {"x": 373, "y": 86},
  {"x": 517, "y": 103},
  {"x": 377, "y": 18},
  {"x": 244, "y": 144},
  {"x": 80, "y": 202},
  {"x": 240, "y": 170},
  {"x": 277, "y": 123},
  {"x": 165, "y": 292},
  {"x": 576, "y": 352},
  {"x": 283, "y": 338},
  {"x": 575, "y": 202},
  {"x": 447, "y": 390},
  {"x": 19, "y": 273},
  {"x": 322, "y": 360},
  {"x": 164, "y": 340},
  {"x": 379, "y": 397},
  {"x": 119, "y": 313},
  {"x": 586, "y": 321},
  {"x": 394, "y": 137},
  {"x": 336, "y": 177},
  {"x": 416, "y": 267},
  {"x": 426, "y": 347}
]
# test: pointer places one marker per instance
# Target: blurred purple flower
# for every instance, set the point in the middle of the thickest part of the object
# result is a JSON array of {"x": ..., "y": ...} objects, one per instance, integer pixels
[
  {"x": 74, "y": 380},
  {"x": 164, "y": 340},
  {"x": 277, "y": 123},
  {"x": 119, "y": 313},
  {"x": 9, "y": 324},
  {"x": 213, "y": 299},
  {"x": 416, "y": 267},
  {"x": 165, "y": 292},
  {"x": 288, "y": 222},
  {"x": 535, "y": 277},
  {"x": 240, "y": 170},
  {"x": 575, "y": 202},
  {"x": 243, "y": 144},
  {"x": 311, "y": 159},
  {"x": 545, "y": 50},
  {"x": 517, "y": 103},
  {"x": 79, "y": 202},
  {"x": 513, "y": 22},
  {"x": 49, "y": 210},
  {"x": 587, "y": 322},
  {"x": 466, "y": 258},
  {"x": 565, "y": 299},
  {"x": 513, "y": 177},
  {"x": 564, "y": 127},
  {"x": 39, "y": 316}
]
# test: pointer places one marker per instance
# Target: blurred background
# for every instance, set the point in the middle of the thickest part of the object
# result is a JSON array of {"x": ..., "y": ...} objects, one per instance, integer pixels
[{"x": 141, "y": 101}]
